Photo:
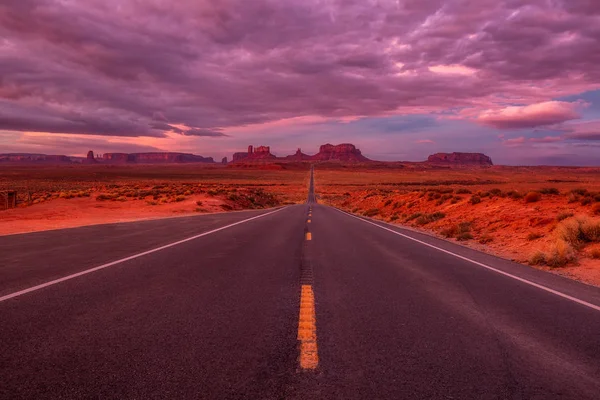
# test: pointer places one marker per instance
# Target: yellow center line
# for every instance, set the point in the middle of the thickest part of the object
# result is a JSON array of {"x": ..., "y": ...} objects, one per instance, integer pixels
[
  {"x": 307, "y": 329},
  {"x": 308, "y": 236},
  {"x": 308, "y": 221}
]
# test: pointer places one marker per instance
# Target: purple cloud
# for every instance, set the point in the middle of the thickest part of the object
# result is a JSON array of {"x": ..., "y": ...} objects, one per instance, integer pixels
[{"x": 130, "y": 68}]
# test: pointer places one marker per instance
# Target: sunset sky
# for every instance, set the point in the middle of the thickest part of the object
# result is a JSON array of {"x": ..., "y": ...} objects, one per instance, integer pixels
[{"x": 516, "y": 79}]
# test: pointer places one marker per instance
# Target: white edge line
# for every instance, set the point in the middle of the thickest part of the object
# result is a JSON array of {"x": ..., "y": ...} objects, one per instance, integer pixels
[
  {"x": 547, "y": 289},
  {"x": 110, "y": 264}
]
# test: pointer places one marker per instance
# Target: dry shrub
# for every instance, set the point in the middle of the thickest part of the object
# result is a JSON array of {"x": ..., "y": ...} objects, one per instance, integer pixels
[
  {"x": 484, "y": 239},
  {"x": 579, "y": 230},
  {"x": 537, "y": 258},
  {"x": 427, "y": 218},
  {"x": 596, "y": 209},
  {"x": 475, "y": 200},
  {"x": 534, "y": 236},
  {"x": 561, "y": 253},
  {"x": 564, "y": 215},
  {"x": 595, "y": 253},
  {"x": 532, "y": 197},
  {"x": 371, "y": 213}
]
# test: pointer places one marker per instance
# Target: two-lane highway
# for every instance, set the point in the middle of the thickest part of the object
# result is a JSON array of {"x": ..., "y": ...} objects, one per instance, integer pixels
[{"x": 302, "y": 302}]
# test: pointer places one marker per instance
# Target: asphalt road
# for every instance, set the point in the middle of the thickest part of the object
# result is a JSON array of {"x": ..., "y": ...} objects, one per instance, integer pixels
[{"x": 138, "y": 311}]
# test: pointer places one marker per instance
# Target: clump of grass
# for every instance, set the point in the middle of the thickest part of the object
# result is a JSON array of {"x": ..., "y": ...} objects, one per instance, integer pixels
[
  {"x": 199, "y": 203},
  {"x": 413, "y": 216},
  {"x": 484, "y": 239},
  {"x": 428, "y": 218},
  {"x": 394, "y": 217},
  {"x": 387, "y": 203},
  {"x": 537, "y": 258},
  {"x": 180, "y": 198},
  {"x": 551, "y": 191},
  {"x": 461, "y": 231},
  {"x": 572, "y": 198},
  {"x": 475, "y": 200},
  {"x": 371, "y": 212},
  {"x": 496, "y": 192},
  {"x": 513, "y": 194},
  {"x": 152, "y": 202},
  {"x": 579, "y": 191},
  {"x": 586, "y": 201},
  {"x": 560, "y": 255},
  {"x": 463, "y": 191},
  {"x": 563, "y": 215},
  {"x": 533, "y": 197},
  {"x": 579, "y": 230},
  {"x": 534, "y": 236}
]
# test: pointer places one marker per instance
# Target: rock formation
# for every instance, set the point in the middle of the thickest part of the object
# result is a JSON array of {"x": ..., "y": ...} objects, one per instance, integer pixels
[
  {"x": 224, "y": 160},
  {"x": 155, "y": 158},
  {"x": 341, "y": 152},
  {"x": 89, "y": 159},
  {"x": 298, "y": 156},
  {"x": 253, "y": 154},
  {"x": 460, "y": 159},
  {"x": 34, "y": 158}
]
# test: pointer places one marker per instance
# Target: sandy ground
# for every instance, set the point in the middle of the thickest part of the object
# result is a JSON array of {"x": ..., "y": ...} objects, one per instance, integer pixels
[
  {"x": 63, "y": 213},
  {"x": 500, "y": 225}
]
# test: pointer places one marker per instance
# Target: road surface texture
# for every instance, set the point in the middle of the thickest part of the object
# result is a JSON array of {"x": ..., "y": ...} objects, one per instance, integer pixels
[{"x": 267, "y": 305}]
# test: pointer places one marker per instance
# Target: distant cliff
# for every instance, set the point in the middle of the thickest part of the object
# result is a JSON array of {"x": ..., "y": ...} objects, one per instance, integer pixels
[
  {"x": 155, "y": 158},
  {"x": 460, "y": 158},
  {"x": 34, "y": 158},
  {"x": 341, "y": 152}
]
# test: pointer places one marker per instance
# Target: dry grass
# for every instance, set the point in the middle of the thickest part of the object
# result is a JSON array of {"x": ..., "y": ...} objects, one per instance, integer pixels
[{"x": 512, "y": 211}]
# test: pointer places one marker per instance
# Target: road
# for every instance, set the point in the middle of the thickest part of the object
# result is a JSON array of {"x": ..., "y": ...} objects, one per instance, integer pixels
[{"x": 267, "y": 305}]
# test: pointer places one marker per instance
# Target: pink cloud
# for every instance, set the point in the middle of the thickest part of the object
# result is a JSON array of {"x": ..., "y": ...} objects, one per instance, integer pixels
[
  {"x": 530, "y": 116},
  {"x": 589, "y": 130},
  {"x": 425, "y": 141},
  {"x": 547, "y": 139},
  {"x": 515, "y": 142}
]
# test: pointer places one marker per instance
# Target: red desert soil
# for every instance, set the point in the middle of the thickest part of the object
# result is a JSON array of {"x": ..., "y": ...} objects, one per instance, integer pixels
[
  {"x": 557, "y": 228},
  {"x": 53, "y": 197}
]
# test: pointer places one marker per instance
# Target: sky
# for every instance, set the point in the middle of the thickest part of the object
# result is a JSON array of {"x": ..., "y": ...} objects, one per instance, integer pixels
[{"x": 518, "y": 80}]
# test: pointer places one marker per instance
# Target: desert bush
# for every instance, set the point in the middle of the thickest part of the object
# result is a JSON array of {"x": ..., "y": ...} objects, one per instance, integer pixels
[
  {"x": 513, "y": 194},
  {"x": 180, "y": 198},
  {"x": 578, "y": 230},
  {"x": 534, "y": 236},
  {"x": 560, "y": 254},
  {"x": 483, "y": 194},
  {"x": 597, "y": 197},
  {"x": 226, "y": 207},
  {"x": 579, "y": 191},
  {"x": 595, "y": 253},
  {"x": 533, "y": 197},
  {"x": 199, "y": 203},
  {"x": 484, "y": 239},
  {"x": 596, "y": 209},
  {"x": 394, "y": 217},
  {"x": 428, "y": 218},
  {"x": 464, "y": 236},
  {"x": 572, "y": 198},
  {"x": 463, "y": 191},
  {"x": 455, "y": 199},
  {"x": 475, "y": 200},
  {"x": 586, "y": 201},
  {"x": 563, "y": 215},
  {"x": 152, "y": 202},
  {"x": 537, "y": 258},
  {"x": 413, "y": 216},
  {"x": 551, "y": 191},
  {"x": 387, "y": 203},
  {"x": 371, "y": 213},
  {"x": 496, "y": 192},
  {"x": 355, "y": 209}
]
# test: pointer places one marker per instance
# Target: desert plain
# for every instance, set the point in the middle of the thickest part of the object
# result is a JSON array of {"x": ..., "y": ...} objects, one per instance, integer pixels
[{"x": 545, "y": 217}]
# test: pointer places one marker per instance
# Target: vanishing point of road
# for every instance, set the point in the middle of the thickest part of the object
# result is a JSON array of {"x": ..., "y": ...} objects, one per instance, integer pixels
[{"x": 297, "y": 302}]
